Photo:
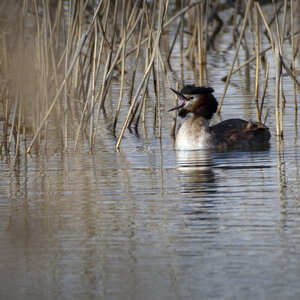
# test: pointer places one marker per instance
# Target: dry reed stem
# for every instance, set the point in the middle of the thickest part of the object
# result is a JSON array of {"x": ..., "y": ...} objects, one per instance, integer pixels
[
  {"x": 257, "y": 51},
  {"x": 140, "y": 107},
  {"x": 109, "y": 74},
  {"x": 158, "y": 94},
  {"x": 137, "y": 93},
  {"x": 137, "y": 53},
  {"x": 98, "y": 67},
  {"x": 93, "y": 99},
  {"x": 156, "y": 43},
  {"x": 173, "y": 127},
  {"x": 293, "y": 52},
  {"x": 264, "y": 93},
  {"x": 174, "y": 39},
  {"x": 191, "y": 44},
  {"x": 249, "y": 5},
  {"x": 235, "y": 23},
  {"x": 181, "y": 36},
  {"x": 102, "y": 92},
  {"x": 278, "y": 87},
  {"x": 267, "y": 27},
  {"x": 283, "y": 24},
  {"x": 14, "y": 120},
  {"x": 141, "y": 104},
  {"x": 165, "y": 25},
  {"x": 199, "y": 8},
  {"x": 122, "y": 70},
  {"x": 205, "y": 26},
  {"x": 289, "y": 72},
  {"x": 254, "y": 57},
  {"x": 17, "y": 138},
  {"x": 281, "y": 63},
  {"x": 140, "y": 19},
  {"x": 76, "y": 54}
]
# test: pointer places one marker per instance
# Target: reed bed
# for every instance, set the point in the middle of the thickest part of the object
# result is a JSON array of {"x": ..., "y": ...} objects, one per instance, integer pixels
[{"x": 59, "y": 60}]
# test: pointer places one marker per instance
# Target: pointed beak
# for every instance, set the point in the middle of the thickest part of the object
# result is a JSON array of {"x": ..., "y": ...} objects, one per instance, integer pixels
[{"x": 182, "y": 98}]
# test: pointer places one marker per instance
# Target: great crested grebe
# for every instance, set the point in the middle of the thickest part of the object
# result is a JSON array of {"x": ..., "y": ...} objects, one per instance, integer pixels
[{"x": 195, "y": 133}]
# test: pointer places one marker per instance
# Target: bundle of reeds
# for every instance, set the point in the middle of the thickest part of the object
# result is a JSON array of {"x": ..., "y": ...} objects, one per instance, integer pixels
[{"x": 59, "y": 58}]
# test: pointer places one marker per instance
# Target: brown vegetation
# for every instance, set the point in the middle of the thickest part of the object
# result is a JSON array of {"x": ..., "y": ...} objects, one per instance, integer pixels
[{"x": 58, "y": 60}]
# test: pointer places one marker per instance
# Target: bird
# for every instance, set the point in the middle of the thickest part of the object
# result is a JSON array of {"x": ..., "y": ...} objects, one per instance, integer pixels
[{"x": 196, "y": 133}]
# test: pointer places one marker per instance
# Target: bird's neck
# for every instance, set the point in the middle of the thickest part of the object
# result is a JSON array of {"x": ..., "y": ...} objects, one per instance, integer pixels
[{"x": 198, "y": 121}]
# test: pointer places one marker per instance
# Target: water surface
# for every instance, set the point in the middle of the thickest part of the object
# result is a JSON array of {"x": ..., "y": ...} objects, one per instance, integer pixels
[{"x": 152, "y": 223}]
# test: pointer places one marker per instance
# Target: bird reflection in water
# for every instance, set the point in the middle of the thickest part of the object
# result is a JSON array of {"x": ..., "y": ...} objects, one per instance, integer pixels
[
  {"x": 195, "y": 169},
  {"x": 197, "y": 183}
]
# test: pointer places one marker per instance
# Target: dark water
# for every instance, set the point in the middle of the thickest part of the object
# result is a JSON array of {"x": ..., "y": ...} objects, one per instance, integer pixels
[{"x": 151, "y": 223}]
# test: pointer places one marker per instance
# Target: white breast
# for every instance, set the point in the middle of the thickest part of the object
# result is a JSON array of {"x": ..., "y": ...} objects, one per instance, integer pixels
[{"x": 192, "y": 137}]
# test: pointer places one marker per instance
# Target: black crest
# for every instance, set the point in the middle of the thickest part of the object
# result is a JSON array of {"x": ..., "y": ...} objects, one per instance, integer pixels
[{"x": 191, "y": 89}]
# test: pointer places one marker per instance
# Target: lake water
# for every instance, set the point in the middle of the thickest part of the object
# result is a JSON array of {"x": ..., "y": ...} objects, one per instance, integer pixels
[{"x": 152, "y": 223}]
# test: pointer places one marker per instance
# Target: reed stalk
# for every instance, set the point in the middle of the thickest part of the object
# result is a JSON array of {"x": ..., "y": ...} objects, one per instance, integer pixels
[
  {"x": 253, "y": 58},
  {"x": 141, "y": 107},
  {"x": 200, "y": 40},
  {"x": 293, "y": 53},
  {"x": 122, "y": 68},
  {"x": 264, "y": 93},
  {"x": 234, "y": 21},
  {"x": 249, "y": 5},
  {"x": 173, "y": 127},
  {"x": 278, "y": 87},
  {"x": 137, "y": 52},
  {"x": 257, "y": 51},
  {"x": 181, "y": 36},
  {"x": 76, "y": 54},
  {"x": 156, "y": 43},
  {"x": 158, "y": 94},
  {"x": 175, "y": 39}
]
